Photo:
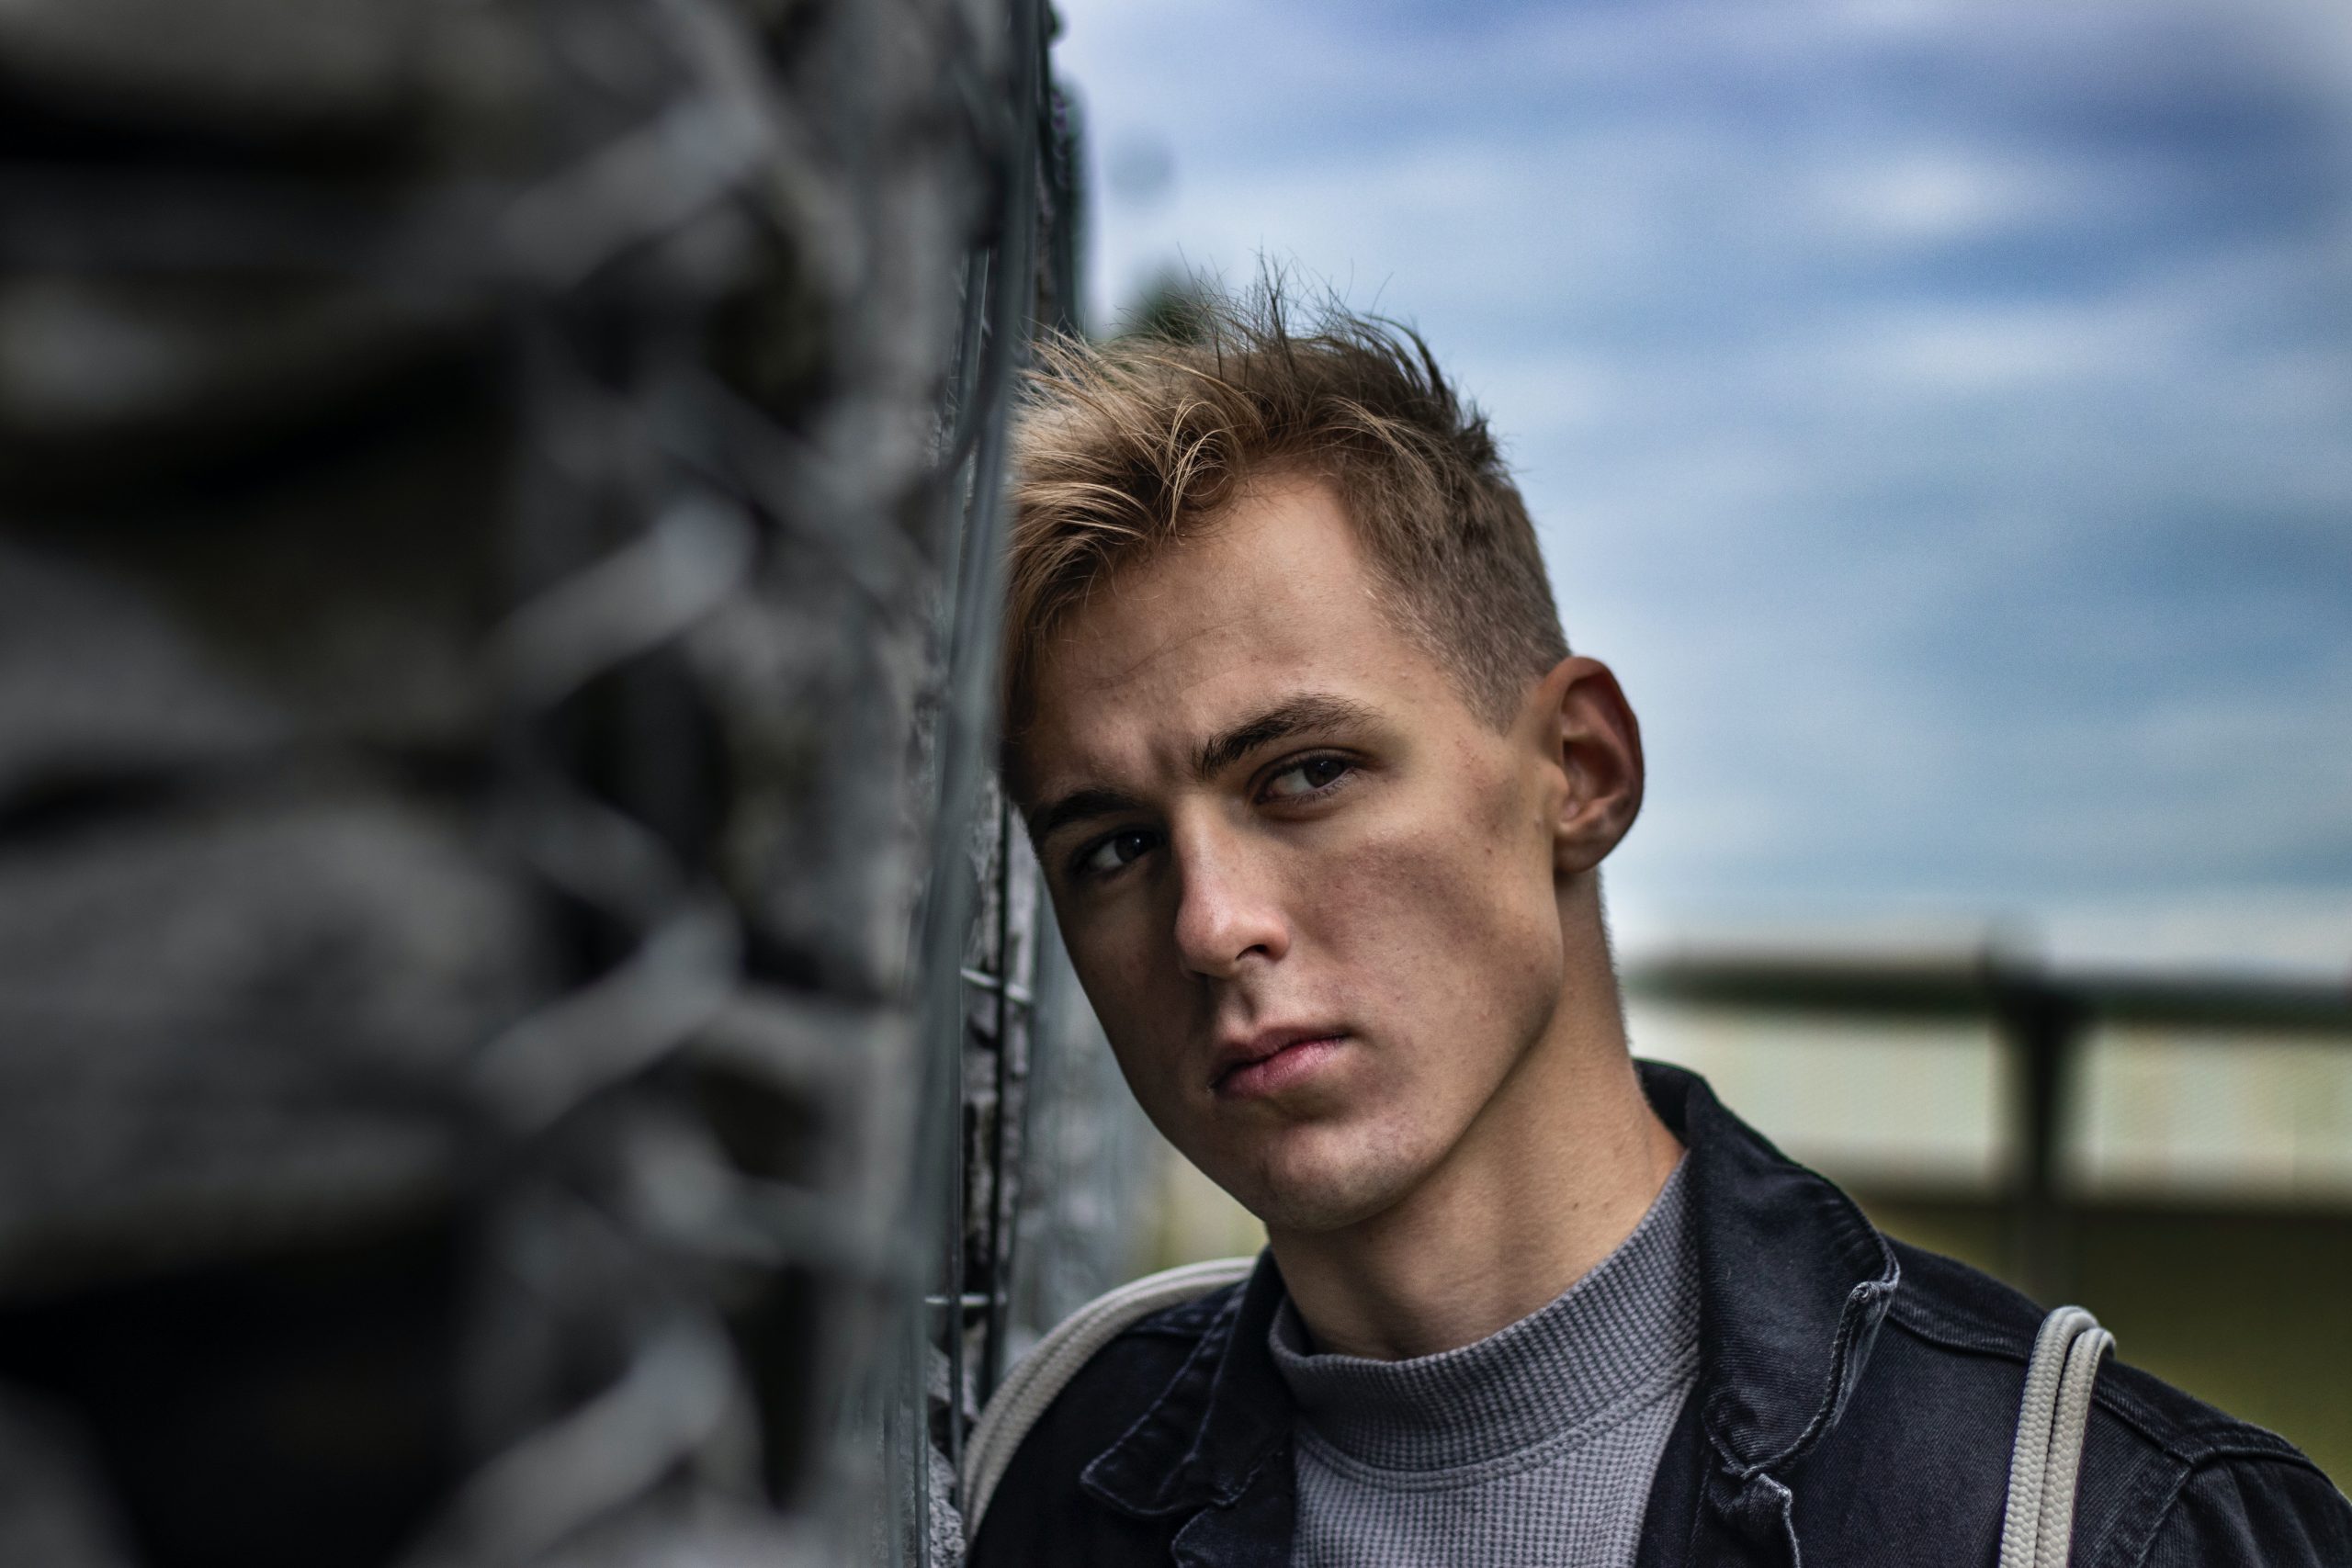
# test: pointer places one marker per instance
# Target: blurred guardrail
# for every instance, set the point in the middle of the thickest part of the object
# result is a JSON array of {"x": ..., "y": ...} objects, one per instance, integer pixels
[{"x": 2041, "y": 1017}]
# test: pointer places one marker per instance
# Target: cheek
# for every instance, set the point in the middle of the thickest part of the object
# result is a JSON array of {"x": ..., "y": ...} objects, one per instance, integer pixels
[
  {"x": 1116, "y": 970},
  {"x": 1454, "y": 933}
]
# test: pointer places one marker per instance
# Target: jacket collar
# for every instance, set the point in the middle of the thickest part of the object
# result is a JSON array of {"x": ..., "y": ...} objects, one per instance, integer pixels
[
  {"x": 1218, "y": 1420},
  {"x": 1793, "y": 1284}
]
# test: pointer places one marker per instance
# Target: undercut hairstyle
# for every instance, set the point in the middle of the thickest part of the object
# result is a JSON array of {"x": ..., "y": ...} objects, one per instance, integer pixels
[{"x": 1125, "y": 448}]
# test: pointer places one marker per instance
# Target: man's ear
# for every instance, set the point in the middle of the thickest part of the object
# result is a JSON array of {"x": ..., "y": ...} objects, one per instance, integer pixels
[{"x": 1589, "y": 733}]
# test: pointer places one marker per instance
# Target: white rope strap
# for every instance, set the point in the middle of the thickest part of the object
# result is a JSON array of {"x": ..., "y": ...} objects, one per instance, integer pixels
[
  {"x": 2053, "y": 1420},
  {"x": 1046, "y": 1371}
]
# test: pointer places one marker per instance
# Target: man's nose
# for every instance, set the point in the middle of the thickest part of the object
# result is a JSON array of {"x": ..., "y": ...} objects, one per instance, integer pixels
[{"x": 1227, "y": 909}]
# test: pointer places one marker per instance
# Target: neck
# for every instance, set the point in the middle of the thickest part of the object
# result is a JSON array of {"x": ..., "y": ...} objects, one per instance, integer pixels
[{"x": 1557, "y": 1169}]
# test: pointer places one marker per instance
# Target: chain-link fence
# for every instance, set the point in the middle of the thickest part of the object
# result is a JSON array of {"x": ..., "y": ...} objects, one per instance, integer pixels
[{"x": 502, "y": 915}]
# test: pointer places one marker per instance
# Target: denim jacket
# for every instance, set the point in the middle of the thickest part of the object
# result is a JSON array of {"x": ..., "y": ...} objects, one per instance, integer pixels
[{"x": 1855, "y": 1404}]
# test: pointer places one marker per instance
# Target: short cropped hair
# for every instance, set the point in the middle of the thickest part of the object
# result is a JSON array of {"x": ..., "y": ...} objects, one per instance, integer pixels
[{"x": 1127, "y": 447}]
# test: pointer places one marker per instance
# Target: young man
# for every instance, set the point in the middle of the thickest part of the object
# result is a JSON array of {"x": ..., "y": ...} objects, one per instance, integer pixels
[{"x": 1322, "y": 798}]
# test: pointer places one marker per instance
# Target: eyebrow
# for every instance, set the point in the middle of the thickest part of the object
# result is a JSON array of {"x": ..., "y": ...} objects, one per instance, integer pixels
[
  {"x": 1079, "y": 806},
  {"x": 1295, "y": 716},
  {"x": 1309, "y": 712}
]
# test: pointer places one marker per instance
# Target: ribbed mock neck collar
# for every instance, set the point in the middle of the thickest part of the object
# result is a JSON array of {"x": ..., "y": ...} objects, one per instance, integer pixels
[{"x": 1618, "y": 1333}]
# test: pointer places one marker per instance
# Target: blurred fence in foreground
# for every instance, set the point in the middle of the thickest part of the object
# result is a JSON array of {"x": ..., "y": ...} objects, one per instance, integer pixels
[{"x": 496, "y": 558}]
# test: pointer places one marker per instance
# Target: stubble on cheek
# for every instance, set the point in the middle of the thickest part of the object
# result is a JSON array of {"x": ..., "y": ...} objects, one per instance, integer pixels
[
  {"x": 1461, "y": 935},
  {"x": 1448, "y": 973}
]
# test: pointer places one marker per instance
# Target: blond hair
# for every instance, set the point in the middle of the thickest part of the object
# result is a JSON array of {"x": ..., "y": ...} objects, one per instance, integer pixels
[{"x": 1123, "y": 448}]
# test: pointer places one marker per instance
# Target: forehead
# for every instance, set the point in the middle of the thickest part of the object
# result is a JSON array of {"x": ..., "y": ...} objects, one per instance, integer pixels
[{"x": 1273, "y": 596}]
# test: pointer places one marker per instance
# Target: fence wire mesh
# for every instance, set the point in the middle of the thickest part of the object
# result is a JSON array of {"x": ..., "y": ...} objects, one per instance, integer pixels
[{"x": 504, "y": 929}]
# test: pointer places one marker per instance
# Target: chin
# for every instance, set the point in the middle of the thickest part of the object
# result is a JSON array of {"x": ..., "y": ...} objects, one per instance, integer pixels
[{"x": 1315, "y": 1178}]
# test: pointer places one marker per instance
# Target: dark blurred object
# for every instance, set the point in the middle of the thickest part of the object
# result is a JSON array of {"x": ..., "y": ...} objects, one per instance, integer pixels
[
  {"x": 1177, "y": 306},
  {"x": 476, "y": 715}
]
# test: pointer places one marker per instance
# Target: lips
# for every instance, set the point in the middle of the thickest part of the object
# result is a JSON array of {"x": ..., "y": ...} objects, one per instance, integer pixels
[{"x": 1271, "y": 1059}]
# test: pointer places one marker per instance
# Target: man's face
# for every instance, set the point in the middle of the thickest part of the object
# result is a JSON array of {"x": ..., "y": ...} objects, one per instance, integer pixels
[{"x": 1309, "y": 892}]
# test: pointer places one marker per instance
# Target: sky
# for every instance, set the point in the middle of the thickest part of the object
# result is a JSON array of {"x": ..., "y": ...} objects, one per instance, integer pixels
[{"x": 1939, "y": 416}]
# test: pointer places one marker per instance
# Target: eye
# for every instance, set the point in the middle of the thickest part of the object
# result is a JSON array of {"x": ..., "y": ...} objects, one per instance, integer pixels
[
  {"x": 1107, "y": 855},
  {"x": 1308, "y": 777}
]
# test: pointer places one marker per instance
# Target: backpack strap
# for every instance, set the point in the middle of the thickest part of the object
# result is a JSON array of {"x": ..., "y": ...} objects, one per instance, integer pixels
[
  {"x": 2038, "y": 1529},
  {"x": 1042, "y": 1374}
]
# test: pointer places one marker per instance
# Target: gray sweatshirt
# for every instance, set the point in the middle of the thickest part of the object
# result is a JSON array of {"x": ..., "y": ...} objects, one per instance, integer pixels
[{"x": 1535, "y": 1445}]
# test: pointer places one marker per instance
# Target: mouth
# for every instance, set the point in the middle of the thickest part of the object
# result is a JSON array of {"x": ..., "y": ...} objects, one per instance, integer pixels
[{"x": 1270, "y": 1060}]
